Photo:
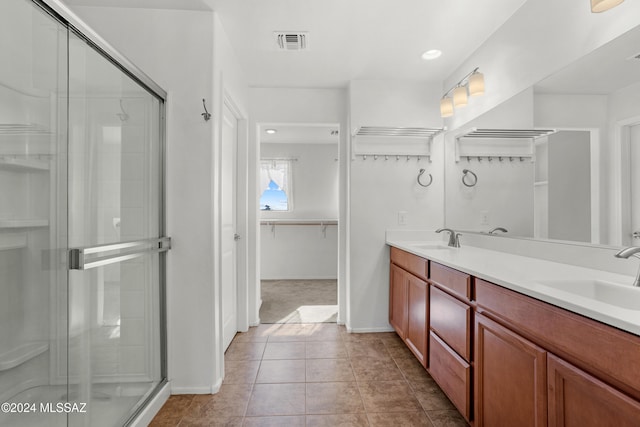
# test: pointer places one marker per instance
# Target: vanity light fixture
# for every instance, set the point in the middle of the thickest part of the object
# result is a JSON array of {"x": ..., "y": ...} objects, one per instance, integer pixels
[
  {"x": 460, "y": 98},
  {"x": 470, "y": 85},
  {"x": 446, "y": 107},
  {"x": 271, "y": 131},
  {"x": 598, "y": 6}
]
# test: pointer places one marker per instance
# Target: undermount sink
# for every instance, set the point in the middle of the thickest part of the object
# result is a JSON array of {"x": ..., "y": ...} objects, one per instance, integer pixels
[
  {"x": 431, "y": 246},
  {"x": 624, "y": 296}
]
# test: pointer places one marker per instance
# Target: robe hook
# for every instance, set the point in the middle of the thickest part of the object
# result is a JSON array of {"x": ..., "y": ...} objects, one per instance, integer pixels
[{"x": 206, "y": 115}]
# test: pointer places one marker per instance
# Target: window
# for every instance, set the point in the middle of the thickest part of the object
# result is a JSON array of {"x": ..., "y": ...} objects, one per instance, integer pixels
[{"x": 275, "y": 182}]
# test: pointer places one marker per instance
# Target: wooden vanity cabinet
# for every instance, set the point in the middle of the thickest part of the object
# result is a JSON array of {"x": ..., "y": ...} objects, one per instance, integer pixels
[
  {"x": 398, "y": 311},
  {"x": 408, "y": 300},
  {"x": 592, "y": 374},
  {"x": 506, "y": 359},
  {"x": 416, "y": 336},
  {"x": 577, "y": 399},
  {"x": 450, "y": 345},
  {"x": 510, "y": 378}
]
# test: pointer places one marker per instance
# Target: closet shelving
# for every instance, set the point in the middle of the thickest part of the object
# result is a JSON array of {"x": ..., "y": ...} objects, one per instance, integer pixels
[{"x": 393, "y": 142}]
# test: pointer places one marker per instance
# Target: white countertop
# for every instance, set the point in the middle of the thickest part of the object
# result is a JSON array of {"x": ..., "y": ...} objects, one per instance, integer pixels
[{"x": 524, "y": 274}]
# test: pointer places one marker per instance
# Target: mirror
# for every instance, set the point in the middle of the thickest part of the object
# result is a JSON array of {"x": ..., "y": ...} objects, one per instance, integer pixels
[{"x": 578, "y": 181}]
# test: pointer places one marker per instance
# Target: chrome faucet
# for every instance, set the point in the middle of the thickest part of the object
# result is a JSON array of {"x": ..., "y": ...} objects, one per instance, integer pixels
[
  {"x": 626, "y": 253},
  {"x": 454, "y": 238},
  {"x": 504, "y": 230}
]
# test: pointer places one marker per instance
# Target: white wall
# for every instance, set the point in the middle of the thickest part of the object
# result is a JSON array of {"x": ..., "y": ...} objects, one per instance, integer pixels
[
  {"x": 570, "y": 186},
  {"x": 504, "y": 192},
  {"x": 304, "y": 106},
  {"x": 176, "y": 49},
  {"x": 379, "y": 189}
]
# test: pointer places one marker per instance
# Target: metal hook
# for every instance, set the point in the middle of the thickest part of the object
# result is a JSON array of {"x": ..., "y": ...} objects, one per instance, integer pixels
[
  {"x": 465, "y": 172},
  {"x": 386, "y": 157},
  {"x": 397, "y": 158},
  {"x": 422, "y": 171},
  {"x": 375, "y": 157},
  {"x": 364, "y": 157},
  {"x": 206, "y": 114},
  {"x": 123, "y": 116}
]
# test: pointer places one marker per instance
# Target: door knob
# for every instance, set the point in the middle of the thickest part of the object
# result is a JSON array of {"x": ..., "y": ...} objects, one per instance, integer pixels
[
  {"x": 236, "y": 237},
  {"x": 636, "y": 234}
]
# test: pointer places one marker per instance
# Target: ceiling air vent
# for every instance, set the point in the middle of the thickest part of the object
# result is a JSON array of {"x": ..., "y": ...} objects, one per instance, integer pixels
[{"x": 292, "y": 40}]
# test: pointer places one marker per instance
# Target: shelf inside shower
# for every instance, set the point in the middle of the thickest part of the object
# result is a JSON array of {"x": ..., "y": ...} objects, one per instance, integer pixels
[
  {"x": 13, "y": 241},
  {"x": 23, "y": 164},
  {"x": 23, "y": 223},
  {"x": 19, "y": 355}
]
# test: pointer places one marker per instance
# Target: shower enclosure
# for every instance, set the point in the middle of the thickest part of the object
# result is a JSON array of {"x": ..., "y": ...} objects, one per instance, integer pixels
[{"x": 82, "y": 339}]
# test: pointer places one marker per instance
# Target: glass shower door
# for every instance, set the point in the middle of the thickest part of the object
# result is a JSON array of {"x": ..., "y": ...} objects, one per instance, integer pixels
[
  {"x": 115, "y": 229},
  {"x": 33, "y": 270}
]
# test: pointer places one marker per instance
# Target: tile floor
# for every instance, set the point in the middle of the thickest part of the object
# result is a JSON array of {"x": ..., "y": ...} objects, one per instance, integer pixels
[{"x": 316, "y": 375}]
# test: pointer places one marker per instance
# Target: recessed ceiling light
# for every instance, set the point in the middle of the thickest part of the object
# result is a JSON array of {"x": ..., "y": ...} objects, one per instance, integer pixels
[
  {"x": 431, "y": 54},
  {"x": 271, "y": 131}
]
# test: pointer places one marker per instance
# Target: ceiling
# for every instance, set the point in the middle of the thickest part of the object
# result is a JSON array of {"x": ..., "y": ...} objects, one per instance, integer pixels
[
  {"x": 358, "y": 39},
  {"x": 348, "y": 39},
  {"x": 603, "y": 71},
  {"x": 145, "y": 4},
  {"x": 300, "y": 134}
]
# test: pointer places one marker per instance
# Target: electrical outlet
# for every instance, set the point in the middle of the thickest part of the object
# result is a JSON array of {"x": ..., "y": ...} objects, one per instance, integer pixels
[
  {"x": 484, "y": 217},
  {"x": 402, "y": 218}
]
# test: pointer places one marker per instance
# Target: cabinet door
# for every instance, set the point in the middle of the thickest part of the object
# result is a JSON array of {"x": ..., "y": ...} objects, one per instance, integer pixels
[
  {"x": 416, "y": 335},
  {"x": 510, "y": 378},
  {"x": 398, "y": 313},
  {"x": 576, "y": 399}
]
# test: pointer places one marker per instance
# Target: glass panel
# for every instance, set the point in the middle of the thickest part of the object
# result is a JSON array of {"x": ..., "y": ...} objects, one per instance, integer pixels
[
  {"x": 114, "y": 196},
  {"x": 114, "y": 339},
  {"x": 114, "y": 159},
  {"x": 33, "y": 273}
]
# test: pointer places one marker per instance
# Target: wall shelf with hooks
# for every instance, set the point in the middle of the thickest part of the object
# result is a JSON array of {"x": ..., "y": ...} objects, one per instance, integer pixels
[
  {"x": 388, "y": 141},
  {"x": 498, "y": 145}
]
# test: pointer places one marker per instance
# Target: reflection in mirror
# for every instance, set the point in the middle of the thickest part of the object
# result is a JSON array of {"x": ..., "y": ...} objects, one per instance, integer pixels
[{"x": 580, "y": 183}]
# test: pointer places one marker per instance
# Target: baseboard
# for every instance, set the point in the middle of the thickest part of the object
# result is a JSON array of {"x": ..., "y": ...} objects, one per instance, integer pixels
[
  {"x": 144, "y": 418},
  {"x": 198, "y": 390},
  {"x": 369, "y": 330}
]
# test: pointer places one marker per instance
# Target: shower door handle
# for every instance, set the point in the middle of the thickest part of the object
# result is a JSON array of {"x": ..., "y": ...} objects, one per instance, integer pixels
[{"x": 86, "y": 258}]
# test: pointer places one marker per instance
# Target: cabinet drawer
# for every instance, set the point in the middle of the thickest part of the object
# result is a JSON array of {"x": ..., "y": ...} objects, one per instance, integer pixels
[
  {"x": 451, "y": 373},
  {"x": 454, "y": 280},
  {"x": 410, "y": 262},
  {"x": 451, "y": 320}
]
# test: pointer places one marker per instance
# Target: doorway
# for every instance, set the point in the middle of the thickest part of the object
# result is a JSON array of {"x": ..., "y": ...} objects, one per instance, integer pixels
[{"x": 299, "y": 210}]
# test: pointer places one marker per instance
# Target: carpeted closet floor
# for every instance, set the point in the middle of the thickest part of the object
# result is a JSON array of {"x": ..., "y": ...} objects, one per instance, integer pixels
[{"x": 299, "y": 301}]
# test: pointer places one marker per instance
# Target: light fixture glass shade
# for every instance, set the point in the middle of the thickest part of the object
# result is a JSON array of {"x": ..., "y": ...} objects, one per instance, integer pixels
[
  {"x": 460, "y": 98},
  {"x": 476, "y": 84},
  {"x": 598, "y": 6},
  {"x": 446, "y": 107}
]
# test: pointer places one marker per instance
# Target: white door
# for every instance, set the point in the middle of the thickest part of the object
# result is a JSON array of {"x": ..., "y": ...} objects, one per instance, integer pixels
[
  {"x": 635, "y": 184},
  {"x": 228, "y": 218}
]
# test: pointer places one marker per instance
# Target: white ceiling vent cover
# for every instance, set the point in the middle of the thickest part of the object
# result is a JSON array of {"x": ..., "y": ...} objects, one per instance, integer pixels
[{"x": 292, "y": 40}]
